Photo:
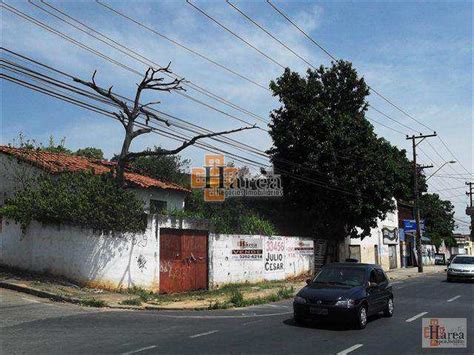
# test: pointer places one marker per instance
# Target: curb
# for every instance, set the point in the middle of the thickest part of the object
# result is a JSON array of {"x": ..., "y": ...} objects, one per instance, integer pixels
[
  {"x": 59, "y": 298},
  {"x": 38, "y": 293},
  {"x": 411, "y": 276}
]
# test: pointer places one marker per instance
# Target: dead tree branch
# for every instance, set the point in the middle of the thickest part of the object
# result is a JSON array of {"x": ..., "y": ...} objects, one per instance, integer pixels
[{"x": 127, "y": 115}]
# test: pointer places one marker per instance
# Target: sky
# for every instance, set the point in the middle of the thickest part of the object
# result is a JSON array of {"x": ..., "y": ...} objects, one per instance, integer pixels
[{"x": 416, "y": 53}]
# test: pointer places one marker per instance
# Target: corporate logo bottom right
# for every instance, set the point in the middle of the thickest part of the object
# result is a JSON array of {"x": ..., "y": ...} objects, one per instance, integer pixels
[{"x": 444, "y": 333}]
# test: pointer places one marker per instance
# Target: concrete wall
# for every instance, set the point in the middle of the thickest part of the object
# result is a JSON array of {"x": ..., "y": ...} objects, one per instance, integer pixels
[
  {"x": 254, "y": 258},
  {"x": 13, "y": 176},
  {"x": 174, "y": 199},
  {"x": 367, "y": 245},
  {"x": 94, "y": 259}
]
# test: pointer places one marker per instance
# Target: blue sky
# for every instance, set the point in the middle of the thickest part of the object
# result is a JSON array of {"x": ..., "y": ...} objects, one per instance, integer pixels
[{"x": 417, "y": 53}]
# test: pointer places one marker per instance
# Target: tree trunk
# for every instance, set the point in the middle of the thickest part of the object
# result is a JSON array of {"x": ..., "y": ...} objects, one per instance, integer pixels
[{"x": 122, "y": 161}]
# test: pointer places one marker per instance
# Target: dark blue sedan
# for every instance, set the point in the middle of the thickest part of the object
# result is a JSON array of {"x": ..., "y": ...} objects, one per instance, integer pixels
[{"x": 345, "y": 292}]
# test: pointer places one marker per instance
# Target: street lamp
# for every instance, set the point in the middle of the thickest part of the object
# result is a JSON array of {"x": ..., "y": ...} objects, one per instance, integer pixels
[{"x": 446, "y": 162}]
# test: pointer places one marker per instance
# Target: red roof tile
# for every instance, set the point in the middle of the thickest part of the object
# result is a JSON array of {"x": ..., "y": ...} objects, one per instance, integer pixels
[{"x": 55, "y": 163}]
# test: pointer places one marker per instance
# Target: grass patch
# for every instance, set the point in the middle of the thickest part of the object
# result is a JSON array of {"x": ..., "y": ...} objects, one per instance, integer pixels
[
  {"x": 132, "y": 302},
  {"x": 237, "y": 299},
  {"x": 92, "y": 302},
  {"x": 142, "y": 294},
  {"x": 219, "y": 305}
]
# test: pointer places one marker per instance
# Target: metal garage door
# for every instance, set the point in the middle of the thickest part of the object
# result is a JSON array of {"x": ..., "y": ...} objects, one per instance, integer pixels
[{"x": 183, "y": 260}]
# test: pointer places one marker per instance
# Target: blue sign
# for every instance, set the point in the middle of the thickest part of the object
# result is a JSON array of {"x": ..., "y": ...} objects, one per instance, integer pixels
[{"x": 409, "y": 225}]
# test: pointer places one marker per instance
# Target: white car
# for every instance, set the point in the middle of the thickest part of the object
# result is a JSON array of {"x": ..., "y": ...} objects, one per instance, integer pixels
[{"x": 461, "y": 267}]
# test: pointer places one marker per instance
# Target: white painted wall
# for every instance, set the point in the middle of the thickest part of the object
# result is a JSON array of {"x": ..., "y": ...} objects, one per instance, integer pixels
[
  {"x": 376, "y": 238},
  {"x": 174, "y": 199},
  {"x": 280, "y": 258},
  {"x": 94, "y": 259},
  {"x": 97, "y": 260}
]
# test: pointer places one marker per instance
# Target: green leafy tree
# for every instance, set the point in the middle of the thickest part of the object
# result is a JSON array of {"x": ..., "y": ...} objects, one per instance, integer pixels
[
  {"x": 163, "y": 167},
  {"x": 80, "y": 199},
  {"x": 234, "y": 215},
  {"x": 90, "y": 152},
  {"x": 321, "y": 126},
  {"x": 439, "y": 219}
]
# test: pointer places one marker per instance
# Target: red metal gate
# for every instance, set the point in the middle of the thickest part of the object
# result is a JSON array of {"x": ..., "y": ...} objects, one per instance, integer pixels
[{"x": 183, "y": 260}]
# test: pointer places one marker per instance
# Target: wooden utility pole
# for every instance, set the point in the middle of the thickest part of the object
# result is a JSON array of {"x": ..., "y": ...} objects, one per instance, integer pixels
[
  {"x": 470, "y": 210},
  {"x": 416, "y": 211}
]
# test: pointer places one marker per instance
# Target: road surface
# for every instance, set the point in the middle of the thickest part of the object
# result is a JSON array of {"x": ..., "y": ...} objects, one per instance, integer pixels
[{"x": 37, "y": 326}]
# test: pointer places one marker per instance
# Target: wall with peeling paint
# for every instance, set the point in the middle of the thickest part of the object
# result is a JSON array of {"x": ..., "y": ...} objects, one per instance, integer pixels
[
  {"x": 255, "y": 258},
  {"x": 96, "y": 259},
  {"x": 111, "y": 261}
]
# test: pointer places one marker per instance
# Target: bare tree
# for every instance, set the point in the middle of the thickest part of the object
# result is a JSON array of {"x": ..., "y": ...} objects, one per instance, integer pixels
[{"x": 128, "y": 115}]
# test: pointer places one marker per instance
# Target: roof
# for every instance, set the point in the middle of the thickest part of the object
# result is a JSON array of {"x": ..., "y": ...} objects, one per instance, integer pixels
[{"x": 55, "y": 163}]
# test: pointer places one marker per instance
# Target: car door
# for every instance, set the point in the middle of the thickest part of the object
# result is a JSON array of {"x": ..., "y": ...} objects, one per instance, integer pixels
[
  {"x": 373, "y": 293},
  {"x": 384, "y": 289}
]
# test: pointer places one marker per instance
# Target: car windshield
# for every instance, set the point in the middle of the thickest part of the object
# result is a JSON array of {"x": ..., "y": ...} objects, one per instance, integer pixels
[
  {"x": 346, "y": 276},
  {"x": 463, "y": 260}
]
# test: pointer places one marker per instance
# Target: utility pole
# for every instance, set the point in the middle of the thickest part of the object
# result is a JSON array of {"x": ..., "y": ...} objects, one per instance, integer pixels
[
  {"x": 416, "y": 211},
  {"x": 470, "y": 210}
]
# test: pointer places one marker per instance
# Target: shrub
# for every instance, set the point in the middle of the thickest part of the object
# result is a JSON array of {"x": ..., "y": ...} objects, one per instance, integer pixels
[
  {"x": 237, "y": 298},
  {"x": 132, "y": 302},
  {"x": 142, "y": 294},
  {"x": 81, "y": 199},
  {"x": 93, "y": 303}
]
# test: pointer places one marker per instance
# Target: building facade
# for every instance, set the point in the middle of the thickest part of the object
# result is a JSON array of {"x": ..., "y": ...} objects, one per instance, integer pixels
[
  {"x": 381, "y": 247},
  {"x": 18, "y": 165}
]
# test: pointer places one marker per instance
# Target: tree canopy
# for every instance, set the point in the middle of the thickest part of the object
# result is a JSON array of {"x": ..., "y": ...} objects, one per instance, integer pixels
[
  {"x": 163, "y": 167},
  {"x": 439, "y": 219},
  {"x": 90, "y": 152},
  {"x": 337, "y": 174}
]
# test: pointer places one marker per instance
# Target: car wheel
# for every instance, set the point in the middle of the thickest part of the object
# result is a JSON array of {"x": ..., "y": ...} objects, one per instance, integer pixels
[
  {"x": 361, "y": 320},
  {"x": 388, "y": 311},
  {"x": 449, "y": 279}
]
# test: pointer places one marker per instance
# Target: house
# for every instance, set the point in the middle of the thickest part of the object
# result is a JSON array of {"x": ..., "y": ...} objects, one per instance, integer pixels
[
  {"x": 19, "y": 164},
  {"x": 464, "y": 244},
  {"x": 380, "y": 247}
]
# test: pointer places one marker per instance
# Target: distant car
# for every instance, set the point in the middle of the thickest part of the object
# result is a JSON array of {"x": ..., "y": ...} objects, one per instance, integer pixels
[
  {"x": 345, "y": 292},
  {"x": 461, "y": 268}
]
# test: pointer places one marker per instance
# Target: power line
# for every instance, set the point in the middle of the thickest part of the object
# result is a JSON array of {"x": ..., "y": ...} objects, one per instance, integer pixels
[
  {"x": 142, "y": 59},
  {"x": 173, "y": 41},
  {"x": 304, "y": 60},
  {"x": 287, "y": 173},
  {"x": 235, "y": 34},
  {"x": 105, "y": 57},
  {"x": 371, "y": 88},
  {"x": 268, "y": 33},
  {"x": 234, "y": 156},
  {"x": 333, "y": 57}
]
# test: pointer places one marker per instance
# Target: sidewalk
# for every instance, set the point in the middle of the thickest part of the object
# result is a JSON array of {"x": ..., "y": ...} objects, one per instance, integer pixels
[
  {"x": 412, "y": 272},
  {"x": 234, "y": 295},
  {"x": 241, "y": 295}
]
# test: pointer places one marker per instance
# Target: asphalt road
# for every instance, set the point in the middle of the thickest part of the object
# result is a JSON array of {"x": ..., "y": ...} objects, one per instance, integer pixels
[{"x": 36, "y": 326}]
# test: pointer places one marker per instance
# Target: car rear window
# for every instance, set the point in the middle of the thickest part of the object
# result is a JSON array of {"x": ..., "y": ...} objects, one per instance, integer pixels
[{"x": 463, "y": 260}]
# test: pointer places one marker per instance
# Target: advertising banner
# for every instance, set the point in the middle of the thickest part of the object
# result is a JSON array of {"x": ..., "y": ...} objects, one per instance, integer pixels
[{"x": 247, "y": 248}]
